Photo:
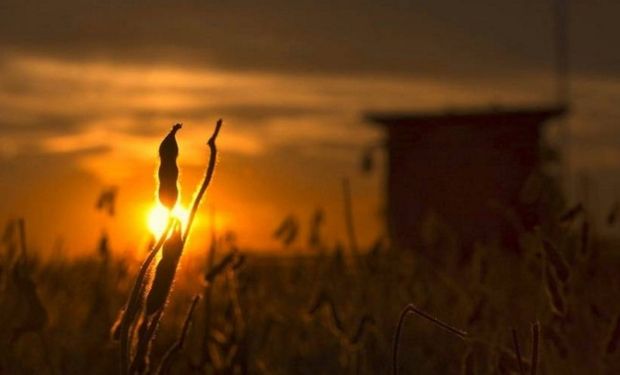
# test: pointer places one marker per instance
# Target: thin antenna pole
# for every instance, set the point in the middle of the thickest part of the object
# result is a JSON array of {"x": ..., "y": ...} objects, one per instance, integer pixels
[
  {"x": 561, "y": 51},
  {"x": 562, "y": 87}
]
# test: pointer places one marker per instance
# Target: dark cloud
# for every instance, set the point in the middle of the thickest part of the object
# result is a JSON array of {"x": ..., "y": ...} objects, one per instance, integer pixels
[
  {"x": 153, "y": 122},
  {"x": 248, "y": 114},
  {"x": 422, "y": 37},
  {"x": 38, "y": 125},
  {"x": 39, "y": 160}
]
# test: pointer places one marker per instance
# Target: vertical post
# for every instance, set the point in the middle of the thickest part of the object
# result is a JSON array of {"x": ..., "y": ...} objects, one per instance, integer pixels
[
  {"x": 562, "y": 87},
  {"x": 561, "y": 51},
  {"x": 348, "y": 216}
]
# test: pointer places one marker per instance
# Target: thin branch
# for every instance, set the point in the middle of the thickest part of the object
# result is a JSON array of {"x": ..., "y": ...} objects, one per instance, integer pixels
[
  {"x": 140, "y": 361},
  {"x": 409, "y": 309},
  {"x": 535, "y": 339},
  {"x": 135, "y": 298},
  {"x": 22, "y": 237},
  {"x": 515, "y": 341},
  {"x": 207, "y": 179},
  {"x": 209, "y": 288},
  {"x": 348, "y": 215},
  {"x": 166, "y": 361}
]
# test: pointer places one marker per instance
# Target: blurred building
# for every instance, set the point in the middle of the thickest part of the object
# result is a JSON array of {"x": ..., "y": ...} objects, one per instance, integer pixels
[{"x": 463, "y": 167}]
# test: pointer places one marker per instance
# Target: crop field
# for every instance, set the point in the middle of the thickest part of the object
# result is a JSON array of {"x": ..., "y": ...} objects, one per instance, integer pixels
[{"x": 549, "y": 306}]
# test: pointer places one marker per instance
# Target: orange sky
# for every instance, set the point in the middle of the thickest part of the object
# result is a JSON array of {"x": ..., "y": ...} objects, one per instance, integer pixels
[
  {"x": 86, "y": 102},
  {"x": 289, "y": 159}
]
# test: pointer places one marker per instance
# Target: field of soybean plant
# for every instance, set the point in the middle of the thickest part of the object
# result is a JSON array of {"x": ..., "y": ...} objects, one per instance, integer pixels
[{"x": 548, "y": 307}]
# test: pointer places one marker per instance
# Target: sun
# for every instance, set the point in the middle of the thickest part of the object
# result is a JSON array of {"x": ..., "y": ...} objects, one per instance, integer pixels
[{"x": 158, "y": 218}]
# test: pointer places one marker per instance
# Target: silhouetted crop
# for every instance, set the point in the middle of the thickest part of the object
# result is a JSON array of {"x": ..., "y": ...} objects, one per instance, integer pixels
[{"x": 332, "y": 309}]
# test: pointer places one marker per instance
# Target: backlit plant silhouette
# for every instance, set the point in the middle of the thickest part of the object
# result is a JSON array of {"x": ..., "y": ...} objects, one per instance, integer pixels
[{"x": 146, "y": 303}]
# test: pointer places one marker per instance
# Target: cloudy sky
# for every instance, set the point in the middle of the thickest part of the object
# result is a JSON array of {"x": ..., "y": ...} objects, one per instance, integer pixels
[{"x": 89, "y": 88}]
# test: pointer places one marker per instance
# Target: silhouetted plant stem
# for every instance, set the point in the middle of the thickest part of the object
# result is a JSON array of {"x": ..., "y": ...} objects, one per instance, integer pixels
[
  {"x": 22, "y": 238},
  {"x": 140, "y": 362},
  {"x": 166, "y": 361},
  {"x": 515, "y": 341},
  {"x": 207, "y": 179},
  {"x": 535, "y": 347},
  {"x": 348, "y": 215},
  {"x": 209, "y": 287},
  {"x": 135, "y": 301},
  {"x": 409, "y": 309},
  {"x": 163, "y": 294}
]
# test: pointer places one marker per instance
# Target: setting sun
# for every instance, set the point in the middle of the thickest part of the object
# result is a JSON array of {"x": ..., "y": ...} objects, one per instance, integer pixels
[{"x": 158, "y": 218}]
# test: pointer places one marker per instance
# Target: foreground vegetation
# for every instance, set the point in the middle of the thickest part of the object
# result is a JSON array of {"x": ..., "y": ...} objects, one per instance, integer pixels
[
  {"x": 328, "y": 313},
  {"x": 546, "y": 307}
]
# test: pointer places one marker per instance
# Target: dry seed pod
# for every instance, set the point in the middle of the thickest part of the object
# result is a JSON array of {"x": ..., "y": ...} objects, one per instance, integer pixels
[
  {"x": 168, "y": 171},
  {"x": 557, "y": 261},
  {"x": 366, "y": 323},
  {"x": 572, "y": 213},
  {"x": 556, "y": 298},
  {"x": 614, "y": 338},
  {"x": 238, "y": 262},
  {"x": 287, "y": 231},
  {"x": 226, "y": 261},
  {"x": 164, "y": 273}
]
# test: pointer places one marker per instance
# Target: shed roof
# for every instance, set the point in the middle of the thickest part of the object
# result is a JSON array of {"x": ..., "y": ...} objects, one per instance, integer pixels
[{"x": 530, "y": 116}]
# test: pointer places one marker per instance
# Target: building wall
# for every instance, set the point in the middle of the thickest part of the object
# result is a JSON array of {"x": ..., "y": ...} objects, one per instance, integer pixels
[{"x": 462, "y": 173}]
